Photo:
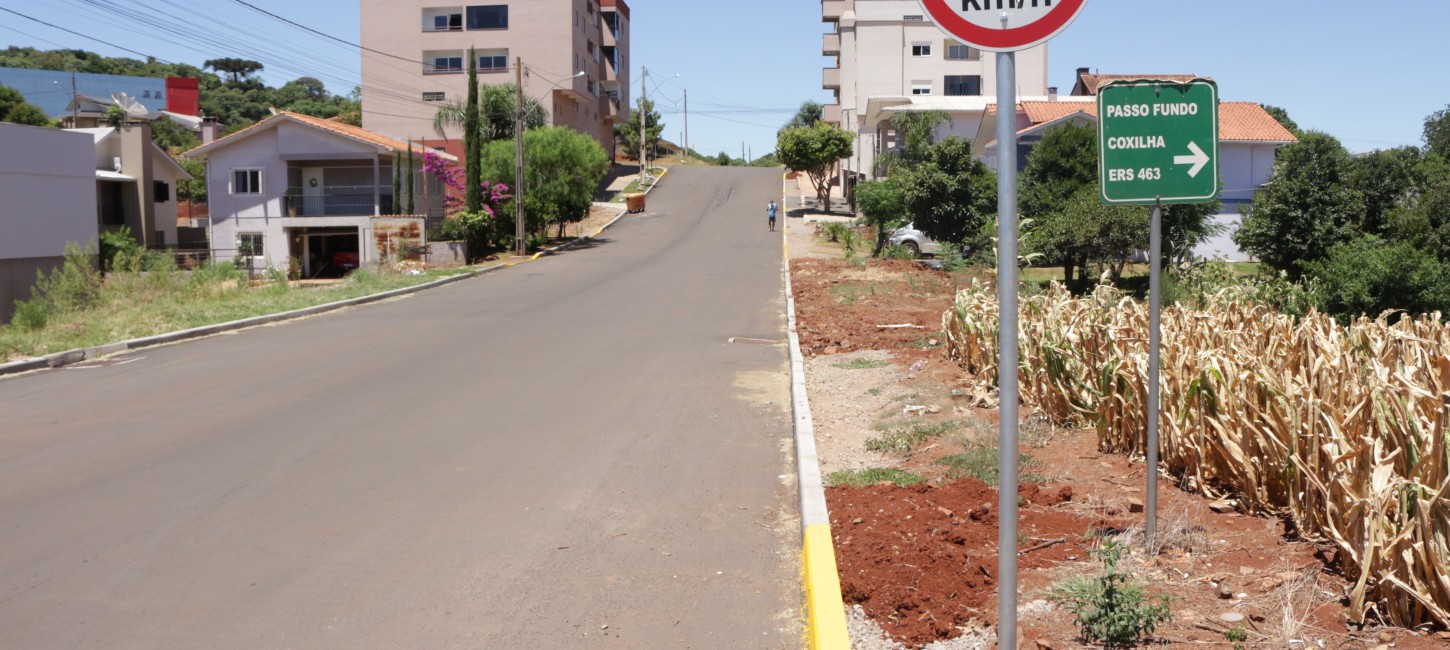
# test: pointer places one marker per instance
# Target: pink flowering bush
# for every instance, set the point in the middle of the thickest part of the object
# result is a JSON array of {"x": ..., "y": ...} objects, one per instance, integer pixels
[{"x": 472, "y": 227}]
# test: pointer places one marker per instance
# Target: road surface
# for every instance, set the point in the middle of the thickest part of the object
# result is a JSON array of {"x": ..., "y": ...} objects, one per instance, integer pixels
[{"x": 564, "y": 454}]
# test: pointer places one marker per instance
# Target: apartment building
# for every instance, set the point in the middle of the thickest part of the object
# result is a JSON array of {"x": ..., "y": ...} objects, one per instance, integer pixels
[
  {"x": 891, "y": 58},
  {"x": 415, "y": 58}
]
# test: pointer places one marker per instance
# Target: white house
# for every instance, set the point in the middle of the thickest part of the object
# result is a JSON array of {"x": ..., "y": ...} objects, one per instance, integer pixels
[
  {"x": 47, "y": 199},
  {"x": 135, "y": 183},
  {"x": 297, "y": 187}
]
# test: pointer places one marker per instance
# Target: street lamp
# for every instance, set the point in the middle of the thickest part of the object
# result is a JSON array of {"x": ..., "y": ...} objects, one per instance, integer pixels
[
  {"x": 644, "y": 122},
  {"x": 521, "y": 244}
]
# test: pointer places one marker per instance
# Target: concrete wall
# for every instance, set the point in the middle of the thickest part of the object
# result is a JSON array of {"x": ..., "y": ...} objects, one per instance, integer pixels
[
  {"x": 552, "y": 37},
  {"x": 48, "y": 182}
]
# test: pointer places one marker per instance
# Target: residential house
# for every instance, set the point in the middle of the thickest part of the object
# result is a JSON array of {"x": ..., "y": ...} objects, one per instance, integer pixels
[
  {"x": 892, "y": 57},
  {"x": 415, "y": 58},
  {"x": 135, "y": 184},
  {"x": 318, "y": 192},
  {"x": 1248, "y": 139},
  {"x": 56, "y": 92},
  {"x": 47, "y": 200}
]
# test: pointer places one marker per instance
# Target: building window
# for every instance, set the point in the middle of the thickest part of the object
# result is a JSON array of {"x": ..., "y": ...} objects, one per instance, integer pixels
[
  {"x": 249, "y": 244},
  {"x": 488, "y": 17},
  {"x": 160, "y": 192},
  {"x": 443, "y": 62},
  {"x": 493, "y": 60},
  {"x": 443, "y": 19},
  {"x": 962, "y": 84},
  {"x": 246, "y": 181},
  {"x": 959, "y": 52},
  {"x": 921, "y": 49},
  {"x": 921, "y": 88}
]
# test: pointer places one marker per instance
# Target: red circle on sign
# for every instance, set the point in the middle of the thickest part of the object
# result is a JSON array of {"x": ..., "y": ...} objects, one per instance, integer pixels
[{"x": 1003, "y": 40}]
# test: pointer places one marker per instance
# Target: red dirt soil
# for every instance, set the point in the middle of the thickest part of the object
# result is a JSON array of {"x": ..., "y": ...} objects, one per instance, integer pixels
[{"x": 922, "y": 561}]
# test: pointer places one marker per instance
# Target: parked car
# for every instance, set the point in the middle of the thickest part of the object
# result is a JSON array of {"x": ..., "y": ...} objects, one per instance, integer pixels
[
  {"x": 915, "y": 241},
  {"x": 345, "y": 260}
]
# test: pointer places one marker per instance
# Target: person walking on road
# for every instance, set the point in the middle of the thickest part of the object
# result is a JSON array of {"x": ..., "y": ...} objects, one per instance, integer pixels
[{"x": 770, "y": 210}]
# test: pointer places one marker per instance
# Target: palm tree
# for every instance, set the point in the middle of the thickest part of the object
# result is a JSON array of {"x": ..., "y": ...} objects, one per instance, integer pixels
[{"x": 496, "y": 110}]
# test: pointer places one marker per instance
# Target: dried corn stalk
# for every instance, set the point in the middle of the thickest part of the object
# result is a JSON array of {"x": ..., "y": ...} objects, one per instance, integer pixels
[{"x": 1341, "y": 429}]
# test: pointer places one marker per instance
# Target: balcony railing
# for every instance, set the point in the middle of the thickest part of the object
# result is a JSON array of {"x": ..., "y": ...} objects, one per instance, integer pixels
[{"x": 355, "y": 201}]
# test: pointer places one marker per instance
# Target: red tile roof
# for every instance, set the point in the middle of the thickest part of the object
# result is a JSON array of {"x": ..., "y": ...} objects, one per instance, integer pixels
[
  {"x": 345, "y": 130},
  {"x": 1237, "y": 121},
  {"x": 1092, "y": 82}
]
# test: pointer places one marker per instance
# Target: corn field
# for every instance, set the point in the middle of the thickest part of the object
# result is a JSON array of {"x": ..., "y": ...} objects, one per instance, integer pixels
[{"x": 1341, "y": 429}]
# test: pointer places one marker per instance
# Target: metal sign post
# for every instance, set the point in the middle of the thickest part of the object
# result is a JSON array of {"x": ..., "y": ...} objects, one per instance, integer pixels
[
  {"x": 1158, "y": 143},
  {"x": 1007, "y": 452},
  {"x": 1005, "y": 28}
]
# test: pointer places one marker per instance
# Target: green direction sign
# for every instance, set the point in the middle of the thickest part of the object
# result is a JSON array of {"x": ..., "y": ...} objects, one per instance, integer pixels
[{"x": 1158, "y": 142}]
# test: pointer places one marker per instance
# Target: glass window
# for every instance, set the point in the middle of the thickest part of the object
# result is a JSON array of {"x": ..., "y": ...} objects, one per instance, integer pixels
[
  {"x": 958, "y": 52},
  {"x": 246, "y": 181},
  {"x": 920, "y": 89},
  {"x": 249, "y": 244},
  {"x": 921, "y": 49},
  {"x": 160, "y": 192},
  {"x": 959, "y": 85},
  {"x": 493, "y": 61},
  {"x": 488, "y": 17}
]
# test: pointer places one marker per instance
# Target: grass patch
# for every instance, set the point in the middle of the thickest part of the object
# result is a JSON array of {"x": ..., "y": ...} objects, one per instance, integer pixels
[
  {"x": 866, "y": 477},
  {"x": 903, "y": 439},
  {"x": 981, "y": 463},
  {"x": 80, "y": 309},
  {"x": 862, "y": 364},
  {"x": 848, "y": 293},
  {"x": 929, "y": 342},
  {"x": 874, "y": 391}
]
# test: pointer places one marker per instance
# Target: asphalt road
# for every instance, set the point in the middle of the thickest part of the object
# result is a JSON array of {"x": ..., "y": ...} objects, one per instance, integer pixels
[{"x": 564, "y": 454}]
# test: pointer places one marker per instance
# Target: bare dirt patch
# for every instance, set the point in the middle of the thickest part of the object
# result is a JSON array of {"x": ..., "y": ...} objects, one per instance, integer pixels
[{"x": 921, "y": 561}]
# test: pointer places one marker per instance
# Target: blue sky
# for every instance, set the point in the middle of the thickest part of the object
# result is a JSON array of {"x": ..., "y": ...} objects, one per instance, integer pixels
[{"x": 1368, "y": 73}]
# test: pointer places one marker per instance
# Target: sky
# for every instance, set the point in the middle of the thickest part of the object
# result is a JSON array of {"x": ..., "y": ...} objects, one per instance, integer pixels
[{"x": 1367, "y": 73}]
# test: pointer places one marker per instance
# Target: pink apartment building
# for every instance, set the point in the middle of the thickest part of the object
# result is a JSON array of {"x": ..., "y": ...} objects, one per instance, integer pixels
[{"x": 415, "y": 57}]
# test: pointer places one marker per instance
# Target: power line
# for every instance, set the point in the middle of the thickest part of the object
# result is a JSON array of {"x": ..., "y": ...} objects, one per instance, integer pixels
[
  {"x": 124, "y": 49},
  {"x": 253, "y": 7}
]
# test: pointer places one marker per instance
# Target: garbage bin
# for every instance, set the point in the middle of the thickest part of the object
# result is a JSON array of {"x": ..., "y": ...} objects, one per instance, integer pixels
[{"x": 634, "y": 202}]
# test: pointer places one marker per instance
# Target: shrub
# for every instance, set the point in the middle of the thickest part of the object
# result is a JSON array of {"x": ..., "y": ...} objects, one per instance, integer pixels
[
  {"x": 896, "y": 252},
  {"x": 1113, "y": 609},
  {"x": 120, "y": 251},
  {"x": 1369, "y": 276},
  {"x": 75, "y": 285},
  {"x": 31, "y": 315}
]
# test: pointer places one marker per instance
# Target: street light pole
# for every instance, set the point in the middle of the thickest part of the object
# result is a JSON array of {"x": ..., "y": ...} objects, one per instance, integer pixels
[{"x": 643, "y": 125}]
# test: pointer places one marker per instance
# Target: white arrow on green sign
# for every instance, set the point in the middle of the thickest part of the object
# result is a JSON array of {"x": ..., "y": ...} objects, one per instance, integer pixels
[{"x": 1158, "y": 142}]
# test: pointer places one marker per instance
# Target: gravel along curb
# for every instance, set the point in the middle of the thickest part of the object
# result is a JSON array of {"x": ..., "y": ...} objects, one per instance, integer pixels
[
  {"x": 825, "y": 610},
  {"x": 78, "y": 355}
]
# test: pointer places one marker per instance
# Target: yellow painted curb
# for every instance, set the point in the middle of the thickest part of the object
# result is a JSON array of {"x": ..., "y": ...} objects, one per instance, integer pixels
[{"x": 825, "y": 610}]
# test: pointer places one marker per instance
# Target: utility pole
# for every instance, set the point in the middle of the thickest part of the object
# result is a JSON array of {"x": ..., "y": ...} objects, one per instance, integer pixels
[
  {"x": 687, "y": 124},
  {"x": 643, "y": 126},
  {"x": 520, "y": 239},
  {"x": 75, "y": 105}
]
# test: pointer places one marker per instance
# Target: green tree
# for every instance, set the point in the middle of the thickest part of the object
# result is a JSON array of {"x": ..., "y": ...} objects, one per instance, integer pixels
[
  {"x": 628, "y": 131},
  {"x": 723, "y": 159},
  {"x": 915, "y": 132},
  {"x": 1368, "y": 275},
  {"x": 1084, "y": 233},
  {"x": 473, "y": 141},
  {"x": 14, "y": 109},
  {"x": 562, "y": 168},
  {"x": 1063, "y": 163},
  {"x": 1386, "y": 178},
  {"x": 172, "y": 137},
  {"x": 1282, "y": 117},
  {"x": 951, "y": 196},
  {"x": 883, "y": 206},
  {"x": 1186, "y": 225},
  {"x": 193, "y": 190},
  {"x": 806, "y": 116},
  {"x": 1308, "y": 207},
  {"x": 1437, "y": 133},
  {"x": 237, "y": 68},
  {"x": 497, "y": 105},
  {"x": 814, "y": 151},
  {"x": 1423, "y": 218}
]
